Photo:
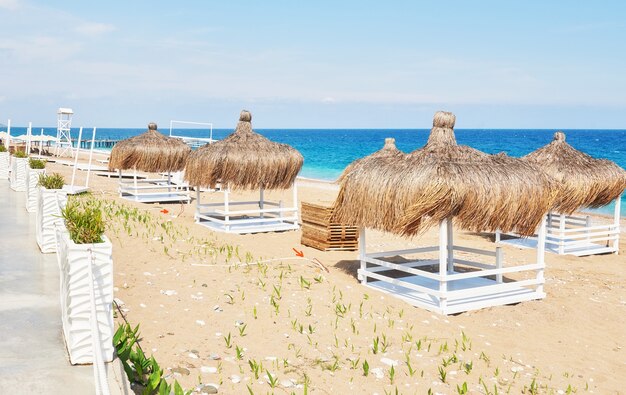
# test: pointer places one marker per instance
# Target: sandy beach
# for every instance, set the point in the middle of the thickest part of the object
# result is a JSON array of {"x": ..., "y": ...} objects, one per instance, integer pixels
[{"x": 255, "y": 318}]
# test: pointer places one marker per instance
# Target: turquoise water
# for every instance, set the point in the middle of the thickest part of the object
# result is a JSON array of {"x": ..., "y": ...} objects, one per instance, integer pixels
[{"x": 328, "y": 151}]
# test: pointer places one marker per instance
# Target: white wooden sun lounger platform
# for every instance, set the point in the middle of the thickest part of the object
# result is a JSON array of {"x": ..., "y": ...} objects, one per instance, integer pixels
[
  {"x": 153, "y": 190},
  {"x": 255, "y": 216}
]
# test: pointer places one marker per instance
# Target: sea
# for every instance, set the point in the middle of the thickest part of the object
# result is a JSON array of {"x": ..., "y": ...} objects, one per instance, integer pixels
[{"x": 328, "y": 151}]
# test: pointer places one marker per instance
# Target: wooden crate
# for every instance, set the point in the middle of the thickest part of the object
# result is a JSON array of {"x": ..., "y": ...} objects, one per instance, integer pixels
[{"x": 319, "y": 232}]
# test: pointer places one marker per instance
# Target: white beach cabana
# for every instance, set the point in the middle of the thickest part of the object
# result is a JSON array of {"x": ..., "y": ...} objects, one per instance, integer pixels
[
  {"x": 444, "y": 184},
  {"x": 582, "y": 182},
  {"x": 245, "y": 160},
  {"x": 151, "y": 152}
]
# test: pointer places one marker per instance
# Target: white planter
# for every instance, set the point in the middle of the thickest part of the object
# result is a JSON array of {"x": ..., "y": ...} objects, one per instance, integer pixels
[
  {"x": 49, "y": 203},
  {"x": 76, "y": 302},
  {"x": 5, "y": 161},
  {"x": 32, "y": 189},
  {"x": 19, "y": 167}
]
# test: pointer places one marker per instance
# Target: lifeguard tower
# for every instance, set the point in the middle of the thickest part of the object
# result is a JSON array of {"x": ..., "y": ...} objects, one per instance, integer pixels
[{"x": 64, "y": 136}]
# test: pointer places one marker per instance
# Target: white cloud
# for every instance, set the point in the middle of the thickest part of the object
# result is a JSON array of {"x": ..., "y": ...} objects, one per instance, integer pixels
[
  {"x": 11, "y": 5},
  {"x": 94, "y": 28}
]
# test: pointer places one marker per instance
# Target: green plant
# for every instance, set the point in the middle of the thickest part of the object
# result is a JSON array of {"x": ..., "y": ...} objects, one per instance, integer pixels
[
  {"x": 366, "y": 368},
  {"x": 51, "y": 181},
  {"x": 139, "y": 369},
  {"x": 242, "y": 329},
  {"x": 255, "y": 367},
  {"x": 20, "y": 154},
  {"x": 36, "y": 163},
  {"x": 272, "y": 380},
  {"x": 228, "y": 341},
  {"x": 3, "y": 148},
  {"x": 84, "y": 222}
]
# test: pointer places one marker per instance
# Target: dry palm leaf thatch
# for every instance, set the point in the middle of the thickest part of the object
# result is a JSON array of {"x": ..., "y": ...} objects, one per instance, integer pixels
[
  {"x": 364, "y": 207},
  {"x": 150, "y": 151},
  {"x": 389, "y": 151},
  {"x": 582, "y": 181},
  {"x": 443, "y": 180},
  {"x": 244, "y": 160}
]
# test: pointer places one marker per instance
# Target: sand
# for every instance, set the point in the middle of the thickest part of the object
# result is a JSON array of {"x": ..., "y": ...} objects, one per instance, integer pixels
[{"x": 310, "y": 328}]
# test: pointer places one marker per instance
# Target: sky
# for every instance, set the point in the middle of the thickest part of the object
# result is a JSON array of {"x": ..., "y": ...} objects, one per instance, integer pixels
[{"x": 321, "y": 64}]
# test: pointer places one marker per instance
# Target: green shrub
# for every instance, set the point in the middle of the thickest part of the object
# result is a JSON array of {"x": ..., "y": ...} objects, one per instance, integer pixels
[
  {"x": 83, "y": 221},
  {"x": 20, "y": 154},
  {"x": 51, "y": 181},
  {"x": 3, "y": 148},
  {"x": 36, "y": 163}
]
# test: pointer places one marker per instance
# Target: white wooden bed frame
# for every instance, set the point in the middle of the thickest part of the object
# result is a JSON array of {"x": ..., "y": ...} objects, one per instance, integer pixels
[
  {"x": 254, "y": 216},
  {"x": 574, "y": 235},
  {"x": 449, "y": 291}
]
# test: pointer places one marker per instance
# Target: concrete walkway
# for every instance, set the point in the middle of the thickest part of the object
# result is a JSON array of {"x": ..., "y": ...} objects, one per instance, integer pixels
[{"x": 33, "y": 358}]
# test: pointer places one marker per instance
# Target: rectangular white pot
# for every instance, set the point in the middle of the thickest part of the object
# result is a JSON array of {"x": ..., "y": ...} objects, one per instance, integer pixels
[
  {"x": 19, "y": 167},
  {"x": 49, "y": 203},
  {"x": 32, "y": 188},
  {"x": 76, "y": 302},
  {"x": 5, "y": 161}
]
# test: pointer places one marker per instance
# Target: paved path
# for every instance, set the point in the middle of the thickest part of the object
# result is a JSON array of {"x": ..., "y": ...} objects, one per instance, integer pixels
[{"x": 33, "y": 358}]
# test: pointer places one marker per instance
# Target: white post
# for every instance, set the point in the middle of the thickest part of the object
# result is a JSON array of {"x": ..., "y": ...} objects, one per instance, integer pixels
[
  {"x": 226, "y": 210},
  {"x": 93, "y": 142},
  {"x": 616, "y": 218},
  {"x": 362, "y": 255},
  {"x": 561, "y": 234},
  {"x": 29, "y": 134},
  {"x": 198, "y": 204},
  {"x": 135, "y": 178},
  {"x": 541, "y": 252},
  {"x": 40, "y": 143},
  {"x": 588, "y": 225},
  {"x": 443, "y": 272},
  {"x": 497, "y": 235},
  {"x": 261, "y": 200},
  {"x": 450, "y": 244},
  {"x": 295, "y": 202},
  {"x": 169, "y": 181},
  {"x": 8, "y": 142},
  {"x": 80, "y": 135},
  {"x": 499, "y": 263}
]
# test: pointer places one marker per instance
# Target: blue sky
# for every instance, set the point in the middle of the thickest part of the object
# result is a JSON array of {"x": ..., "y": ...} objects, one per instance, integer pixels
[{"x": 322, "y": 64}]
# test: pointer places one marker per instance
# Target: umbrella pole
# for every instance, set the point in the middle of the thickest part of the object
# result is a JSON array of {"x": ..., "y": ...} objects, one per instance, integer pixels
[
  {"x": 80, "y": 135},
  {"x": 169, "y": 181},
  {"x": 616, "y": 218},
  {"x": 362, "y": 255},
  {"x": 226, "y": 215},
  {"x": 443, "y": 265},
  {"x": 450, "y": 244},
  {"x": 261, "y": 201},
  {"x": 93, "y": 140},
  {"x": 541, "y": 252},
  {"x": 295, "y": 202}
]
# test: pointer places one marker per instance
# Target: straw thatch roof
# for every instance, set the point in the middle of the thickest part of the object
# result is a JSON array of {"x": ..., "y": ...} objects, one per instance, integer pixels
[
  {"x": 442, "y": 180},
  {"x": 389, "y": 152},
  {"x": 582, "y": 181},
  {"x": 244, "y": 160},
  {"x": 150, "y": 151}
]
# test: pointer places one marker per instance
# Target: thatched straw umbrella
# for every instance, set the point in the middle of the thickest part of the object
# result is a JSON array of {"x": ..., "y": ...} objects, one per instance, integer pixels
[
  {"x": 244, "y": 160},
  {"x": 444, "y": 180},
  {"x": 582, "y": 181},
  {"x": 389, "y": 152},
  {"x": 151, "y": 152}
]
